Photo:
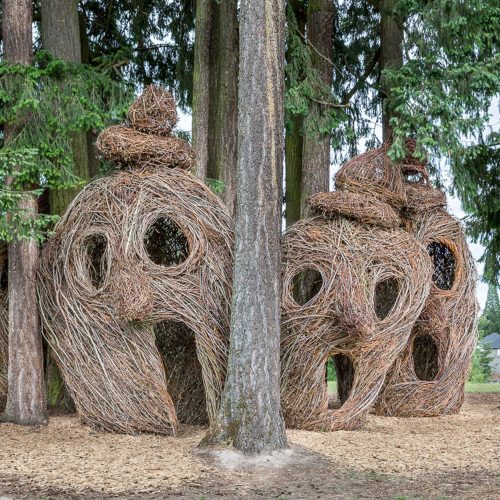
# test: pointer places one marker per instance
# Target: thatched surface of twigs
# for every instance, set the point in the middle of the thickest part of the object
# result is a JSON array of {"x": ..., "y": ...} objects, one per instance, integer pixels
[
  {"x": 101, "y": 296},
  {"x": 362, "y": 207},
  {"x": 341, "y": 318},
  {"x": 448, "y": 319},
  {"x": 154, "y": 111},
  {"x": 375, "y": 174},
  {"x": 412, "y": 362},
  {"x": 130, "y": 148}
]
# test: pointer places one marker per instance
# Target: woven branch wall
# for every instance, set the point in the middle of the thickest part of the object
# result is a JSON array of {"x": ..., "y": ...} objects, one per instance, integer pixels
[
  {"x": 135, "y": 285},
  {"x": 381, "y": 280}
]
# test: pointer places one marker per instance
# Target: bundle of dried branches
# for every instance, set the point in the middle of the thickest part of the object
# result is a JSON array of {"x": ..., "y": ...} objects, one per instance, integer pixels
[
  {"x": 4, "y": 329},
  {"x": 134, "y": 293},
  {"x": 362, "y": 207},
  {"x": 130, "y": 148},
  {"x": 372, "y": 284},
  {"x": 428, "y": 377},
  {"x": 375, "y": 174},
  {"x": 154, "y": 111},
  {"x": 395, "y": 308}
]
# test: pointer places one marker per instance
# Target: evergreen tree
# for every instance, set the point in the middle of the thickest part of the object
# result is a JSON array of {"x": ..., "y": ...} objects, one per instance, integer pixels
[
  {"x": 480, "y": 371},
  {"x": 251, "y": 417},
  {"x": 489, "y": 322},
  {"x": 26, "y": 403}
]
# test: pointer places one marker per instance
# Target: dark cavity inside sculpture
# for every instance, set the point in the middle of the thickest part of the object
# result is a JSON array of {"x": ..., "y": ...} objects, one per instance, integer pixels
[
  {"x": 176, "y": 343},
  {"x": 444, "y": 265},
  {"x": 96, "y": 247},
  {"x": 344, "y": 369},
  {"x": 166, "y": 243},
  {"x": 425, "y": 357},
  {"x": 305, "y": 285},
  {"x": 386, "y": 295}
]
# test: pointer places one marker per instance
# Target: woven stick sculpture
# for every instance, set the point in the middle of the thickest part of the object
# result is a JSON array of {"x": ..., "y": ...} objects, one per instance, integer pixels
[
  {"x": 361, "y": 285},
  {"x": 428, "y": 378},
  {"x": 135, "y": 288}
]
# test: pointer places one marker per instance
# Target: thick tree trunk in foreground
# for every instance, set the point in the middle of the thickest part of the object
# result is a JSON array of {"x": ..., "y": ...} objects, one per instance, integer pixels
[
  {"x": 201, "y": 85},
  {"x": 294, "y": 141},
  {"x": 61, "y": 36},
  {"x": 251, "y": 415},
  {"x": 26, "y": 390},
  {"x": 316, "y": 152},
  {"x": 391, "y": 57}
]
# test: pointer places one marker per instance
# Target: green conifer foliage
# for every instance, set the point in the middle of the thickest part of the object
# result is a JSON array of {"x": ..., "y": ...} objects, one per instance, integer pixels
[{"x": 489, "y": 322}]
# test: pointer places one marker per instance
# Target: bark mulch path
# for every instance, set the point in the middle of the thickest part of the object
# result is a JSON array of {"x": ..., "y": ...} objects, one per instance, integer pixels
[{"x": 395, "y": 458}]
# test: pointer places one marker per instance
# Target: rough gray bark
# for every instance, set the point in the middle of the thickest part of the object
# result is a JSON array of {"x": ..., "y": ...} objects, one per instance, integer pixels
[
  {"x": 391, "y": 57},
  {"x": 251, "y": 415},
  {"x": 316, "y": 150},
  {"x": 26, "y": 390},
  {"x": 61, "y": 36},
  {"x": 224, "y": 105},
  {"x": 294, "y": 141},
  {"x": 215, "y": 94},
  {"x": 201, "y": 85}
]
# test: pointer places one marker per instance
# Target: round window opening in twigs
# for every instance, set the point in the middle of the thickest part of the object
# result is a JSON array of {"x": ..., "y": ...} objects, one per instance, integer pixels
[
  {"x": 444, "y": 265},
  {"x": 176, "y": 343},
  {"x": 414, "y": 177},
  {"x": 385, "y": 297},
  {"x": 306, "y": 285},
  {"x": 425, "y": 357},
  {"x": 165, "y": 242},
  {"x": 96, "y": 248}
]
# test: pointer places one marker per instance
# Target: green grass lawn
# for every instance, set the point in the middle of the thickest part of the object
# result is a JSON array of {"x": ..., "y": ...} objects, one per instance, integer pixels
[
  {"x": 473, "y": 387},
  {"x": 469, "y": 387}
]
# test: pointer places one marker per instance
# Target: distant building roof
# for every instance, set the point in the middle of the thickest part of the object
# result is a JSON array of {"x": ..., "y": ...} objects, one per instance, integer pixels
[{"x": 493, "y": 339}]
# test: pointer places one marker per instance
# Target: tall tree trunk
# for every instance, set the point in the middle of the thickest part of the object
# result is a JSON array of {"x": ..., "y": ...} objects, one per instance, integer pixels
[
  {"x": 293, "y": 139},
  {"x": 316, "y": 152},
  {"x": 391, "y": 57},
  {"x": 61, "y": 36},
  {"x": 26, "y": 390},
  {"x": 251, "y": 410},
  {"x": 92, "y": 152},
  {"x": 215, "y": 94},
  {"x": 201, "y": 84},
  {"x": 223, "y": 143}
]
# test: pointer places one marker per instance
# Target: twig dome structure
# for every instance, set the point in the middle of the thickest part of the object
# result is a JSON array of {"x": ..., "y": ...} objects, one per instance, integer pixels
[
  {"x": 134, "y": 290},
  {"x": 4, "y": 326},
  {"x": 363, "y": 283},
  {"x": 428, "y": 377}
]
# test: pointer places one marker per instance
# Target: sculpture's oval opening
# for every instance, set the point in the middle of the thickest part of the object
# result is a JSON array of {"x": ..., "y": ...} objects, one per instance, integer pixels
[
  {"x": 306, "y": 284},
  {"x": 444, "y": 265},
  {"x": 339, "y": 379},
  {"x": 385, "y": 297},
  {"x": 425, "y": 357},
  {"x": 176, "y": 343},
  {"x": 166, "y": 243},
  {"x": 96, "y": 246}
]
